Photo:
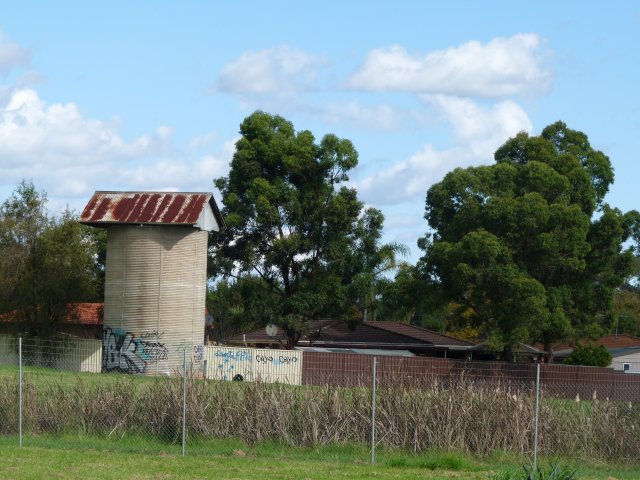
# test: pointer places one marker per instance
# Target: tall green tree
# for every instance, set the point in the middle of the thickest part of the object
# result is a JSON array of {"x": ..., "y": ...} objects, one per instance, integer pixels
[
  {"x": 370, "y": 263},
  {"x": 237, "y": 305},
  {"x": 292, "y": 222},
  {"x": 529, "y": 244},
  {"x": 627, "y": 308},
  {"x": 46, "y": 264}
]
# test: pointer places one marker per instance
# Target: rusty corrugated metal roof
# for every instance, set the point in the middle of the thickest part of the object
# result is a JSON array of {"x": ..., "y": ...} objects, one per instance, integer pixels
[{"x": 165, "y": 208}]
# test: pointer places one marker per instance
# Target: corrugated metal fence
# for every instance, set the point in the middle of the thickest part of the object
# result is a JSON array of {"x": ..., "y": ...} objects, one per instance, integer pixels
[
  {"x": 251, "y": 364},
  {"x": 69, "y": 354}
]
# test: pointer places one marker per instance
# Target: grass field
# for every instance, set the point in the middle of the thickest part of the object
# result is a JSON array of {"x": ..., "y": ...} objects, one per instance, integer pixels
[
  {"x": 43, "y": 377},
  {"x": 66, "y": 458},
  {"x": 96, "y": 426}
]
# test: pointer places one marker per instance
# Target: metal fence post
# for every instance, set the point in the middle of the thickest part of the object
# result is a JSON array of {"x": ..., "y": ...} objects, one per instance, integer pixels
[
  {"x": 373, "y": 411},
  {"x": 184, "y": 402},
  {"x": 535, "y": 427},
  {"x": 20, "y": 390}
]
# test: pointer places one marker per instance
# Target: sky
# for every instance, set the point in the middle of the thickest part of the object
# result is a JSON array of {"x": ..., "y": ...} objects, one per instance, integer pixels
[{"x": 150, "y": 95}]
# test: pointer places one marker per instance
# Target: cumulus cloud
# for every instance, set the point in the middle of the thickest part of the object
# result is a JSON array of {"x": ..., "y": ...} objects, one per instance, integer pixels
[
  {"x": 69, "y": 155},
  {"x": 275, "y": 70},
  {"x": 202, "y": 141},
  {"x": 500, "y": 68},
  {"x": 480, "y": 128},
  {"x": 383, "y": 116},
  {"x": 174, "y": 175},
  {"x": 410, "y": 178},
  {"x": 479, "y": 131},
  {"x": 12, "y": 55},
  {"x": 33, "y": 132}
]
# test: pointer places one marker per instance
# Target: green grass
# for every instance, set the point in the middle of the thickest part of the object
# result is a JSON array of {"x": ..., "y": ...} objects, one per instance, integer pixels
[
  {"x": 64, "y": 457},
  {"x": 142, "y": 458},
  {"x": 45, "y": 377},
  {"x": 53, "y": 400}
]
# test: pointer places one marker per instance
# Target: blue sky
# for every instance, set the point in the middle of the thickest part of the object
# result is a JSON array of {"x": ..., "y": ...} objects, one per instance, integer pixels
[{"x": 149, "y": 95}]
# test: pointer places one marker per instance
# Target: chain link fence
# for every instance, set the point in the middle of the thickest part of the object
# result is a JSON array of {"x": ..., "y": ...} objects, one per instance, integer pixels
[{"x": 54, "y": 394}]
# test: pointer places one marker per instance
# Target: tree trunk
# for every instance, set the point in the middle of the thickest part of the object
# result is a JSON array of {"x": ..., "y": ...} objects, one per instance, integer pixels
[{"x": 548, "y": 348}]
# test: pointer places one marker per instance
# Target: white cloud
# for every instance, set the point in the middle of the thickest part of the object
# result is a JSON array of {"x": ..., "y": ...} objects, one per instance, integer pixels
[
  {"x": 482, "y": 129},
  {"x": 378, "y": 117},
  {"x": 229, "y": 147},
  {"x": 479, "y": 132},
  {"x": 409, "y": 179},
  {"x": 202, "y": 141},
  {"x": 276, "y": 70},
  {"x": 12, "y": 55},
  {"x": 503, "y": 67},
  {"x": 69, "y": 155},
  {"x": 175, "y": 175},
  {"x": 32, "y": 132}
]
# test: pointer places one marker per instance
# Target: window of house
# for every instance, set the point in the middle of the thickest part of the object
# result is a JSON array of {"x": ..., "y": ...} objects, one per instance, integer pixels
[{"x": 626, "y": 367}]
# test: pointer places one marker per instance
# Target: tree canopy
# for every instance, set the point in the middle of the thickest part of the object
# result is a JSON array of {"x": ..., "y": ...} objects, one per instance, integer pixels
[
  {"x": 46, "y": 264},
  {"x": 293, "y": 224},
  {"x": 528, "y": 244}
]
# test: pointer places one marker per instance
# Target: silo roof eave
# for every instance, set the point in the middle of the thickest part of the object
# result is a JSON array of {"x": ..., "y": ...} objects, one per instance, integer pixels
[
  {"x": 113, "y": 222},
  {"x": 153, "y": 208}
]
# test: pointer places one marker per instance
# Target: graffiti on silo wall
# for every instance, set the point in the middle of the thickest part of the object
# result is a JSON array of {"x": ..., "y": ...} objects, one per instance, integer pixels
[
  {"x": 147, "y": 352},
  {"x": 120, "y": 352},
  {"x": 253, "y": 364}
]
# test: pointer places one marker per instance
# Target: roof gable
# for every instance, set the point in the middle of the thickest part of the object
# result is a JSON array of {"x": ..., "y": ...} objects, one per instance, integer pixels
[{"x": 196, "y": 209}]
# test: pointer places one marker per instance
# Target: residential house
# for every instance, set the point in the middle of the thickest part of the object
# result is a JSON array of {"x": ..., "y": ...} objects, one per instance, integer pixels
[
  {"x": 625, "y": 350},
  {"x": 373, "y": 337}
]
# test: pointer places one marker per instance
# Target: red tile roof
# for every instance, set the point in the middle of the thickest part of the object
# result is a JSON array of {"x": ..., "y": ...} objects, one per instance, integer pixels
[
  {"x": 86, "y": 313},
  {"x": 79, "y": 313},
  {"x": 610, "y": 342},
  {"x": 164, "y": 208}
]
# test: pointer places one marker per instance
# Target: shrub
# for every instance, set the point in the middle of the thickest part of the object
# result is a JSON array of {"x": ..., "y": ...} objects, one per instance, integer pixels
[
  {"x": 554, "y": 472},
  {"x": 589, "y": 355}
]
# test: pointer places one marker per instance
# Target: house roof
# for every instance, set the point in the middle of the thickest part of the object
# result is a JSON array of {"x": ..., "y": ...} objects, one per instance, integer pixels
[
  {"x": 377, "y": 334},
  {"x": 153, "y": 208},
  {"x": 259, "y": 335},
  {"x": 86, "y": 313},
  {"x": 621, "y": 352},
  {"x": 520, "y": 348},
  {"x": 361, "y": 351},
  {"x": 418, "y": 333},
  {"x": 78, "y": 313},
  {"x": 610, "y": 342}
]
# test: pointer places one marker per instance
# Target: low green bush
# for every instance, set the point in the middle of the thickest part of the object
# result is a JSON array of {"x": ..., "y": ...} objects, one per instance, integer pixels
[{"x": 555, "y": 471}]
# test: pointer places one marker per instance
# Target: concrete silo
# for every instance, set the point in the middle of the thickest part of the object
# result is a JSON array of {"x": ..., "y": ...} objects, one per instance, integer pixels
[{"x": 155, "y": 279}]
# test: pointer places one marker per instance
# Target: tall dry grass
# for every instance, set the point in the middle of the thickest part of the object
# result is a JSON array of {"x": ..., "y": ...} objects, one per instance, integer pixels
[{"x": 461, "y": 415}]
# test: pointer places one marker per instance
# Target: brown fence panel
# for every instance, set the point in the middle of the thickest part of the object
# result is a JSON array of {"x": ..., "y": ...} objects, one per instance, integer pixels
[
  {"x": 563, "y": 381},
  {"x": 566, "y": 381},
  {"x": 339, "y": 369}
]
